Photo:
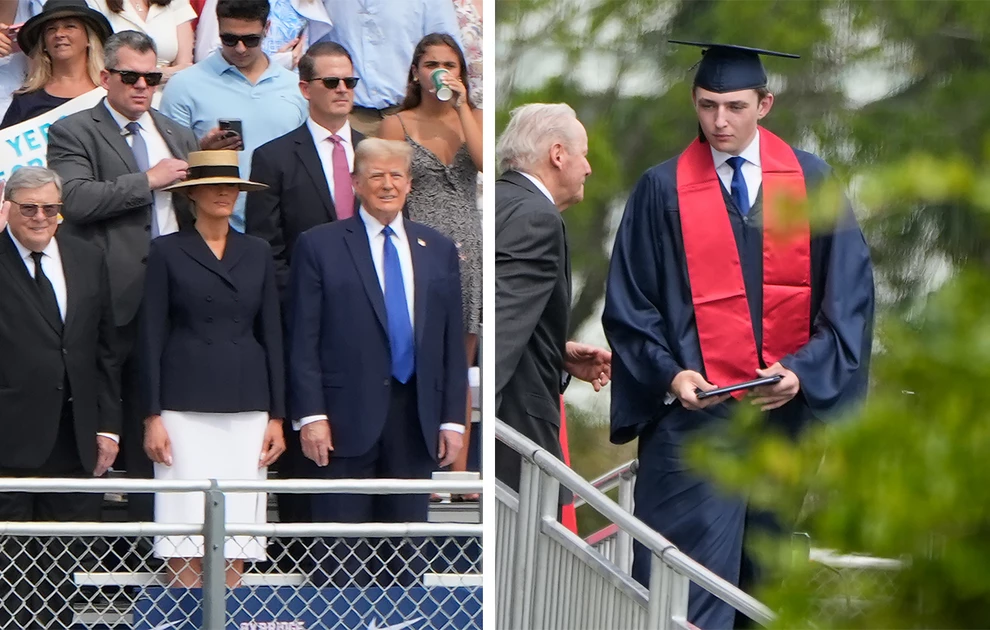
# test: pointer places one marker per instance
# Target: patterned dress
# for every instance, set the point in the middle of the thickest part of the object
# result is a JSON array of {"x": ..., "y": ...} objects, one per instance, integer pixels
[
  {"x": 471, "y": 38},
  {"x": 443, "y": 198}
]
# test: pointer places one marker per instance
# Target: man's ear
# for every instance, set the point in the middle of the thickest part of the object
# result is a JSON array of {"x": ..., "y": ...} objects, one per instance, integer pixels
[{"x": 763, "y": 108}]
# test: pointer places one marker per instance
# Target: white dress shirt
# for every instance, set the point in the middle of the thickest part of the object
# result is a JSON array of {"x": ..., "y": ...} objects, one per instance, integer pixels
[
  {"x": 377, "y": 242},
  {"x": 536, "y": 182},
  {"x": 164, "y": 213},
  {"x": 324, "y": 148},
  {"x": 751, "y": 168},
  {"x": 161, "y": 24},
  {"x": 51, "y": 264}
]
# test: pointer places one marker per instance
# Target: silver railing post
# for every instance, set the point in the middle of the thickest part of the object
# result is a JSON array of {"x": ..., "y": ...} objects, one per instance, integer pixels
[
  {"x": 623, "y": 540},
  {"x": 549, "y": 506},
  {"x": 527, "y": 530},
  {"x": 214, "y": 564}
]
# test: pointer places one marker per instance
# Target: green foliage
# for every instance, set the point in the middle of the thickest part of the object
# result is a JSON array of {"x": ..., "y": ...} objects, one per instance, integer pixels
[{"x": 893, "y": 95}]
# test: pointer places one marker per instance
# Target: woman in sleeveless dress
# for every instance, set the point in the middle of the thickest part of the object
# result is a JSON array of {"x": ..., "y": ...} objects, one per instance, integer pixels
[{"x": 447, "y": 156}]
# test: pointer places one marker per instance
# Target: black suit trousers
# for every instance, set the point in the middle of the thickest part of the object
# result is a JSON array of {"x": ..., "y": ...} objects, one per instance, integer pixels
[
  {"x": 400, "y": 453},
  {"x": 38, "y": 571}
]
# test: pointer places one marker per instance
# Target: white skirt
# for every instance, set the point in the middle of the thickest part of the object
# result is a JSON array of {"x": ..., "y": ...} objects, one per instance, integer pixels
[{"x": 212, "y": 446}]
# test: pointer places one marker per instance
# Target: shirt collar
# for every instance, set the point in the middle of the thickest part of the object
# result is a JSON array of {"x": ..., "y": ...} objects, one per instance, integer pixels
[
  {"x": 751, "y": 153},
  {"x": 536, "y": 182},
  {"x": 321, "y": 133},
  {"x": 219, "y": 65},
  {"x": 146, "y": 122},
  {"x": 375, "y": 227},
  {"x": 51, "y": 250}
]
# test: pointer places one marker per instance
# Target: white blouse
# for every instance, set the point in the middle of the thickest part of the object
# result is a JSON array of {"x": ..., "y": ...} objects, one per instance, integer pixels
[{"x": 161, "y": 24}]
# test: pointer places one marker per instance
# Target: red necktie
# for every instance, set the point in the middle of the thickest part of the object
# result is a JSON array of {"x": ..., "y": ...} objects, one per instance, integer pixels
[{"x": 343, "y": 194}]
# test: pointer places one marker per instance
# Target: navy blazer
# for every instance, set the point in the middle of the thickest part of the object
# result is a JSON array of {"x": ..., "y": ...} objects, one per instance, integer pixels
[
  {"x": 211, "y": 335},
  {"x": 340, "y": 363}
]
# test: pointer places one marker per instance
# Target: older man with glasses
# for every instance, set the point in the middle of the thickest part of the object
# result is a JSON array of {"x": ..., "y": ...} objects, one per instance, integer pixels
[
  {"x": 60, "y": 396},
  {"x": 238, "y": 83},
  {"x": 115, "y": 159}
]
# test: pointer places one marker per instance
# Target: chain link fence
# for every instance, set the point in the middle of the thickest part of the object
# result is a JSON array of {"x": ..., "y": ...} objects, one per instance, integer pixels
[{"x": 294, "y": 576}]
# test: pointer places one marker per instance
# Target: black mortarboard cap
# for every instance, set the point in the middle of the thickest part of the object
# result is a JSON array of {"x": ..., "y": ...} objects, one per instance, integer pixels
[{"x": 726, "y": 68}]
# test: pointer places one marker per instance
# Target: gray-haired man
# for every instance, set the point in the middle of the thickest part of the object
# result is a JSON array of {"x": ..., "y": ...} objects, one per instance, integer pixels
[{"x": 59, "y": 388}]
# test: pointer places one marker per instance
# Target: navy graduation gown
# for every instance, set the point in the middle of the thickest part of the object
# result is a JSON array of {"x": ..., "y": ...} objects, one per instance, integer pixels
[{"x": 649, "y": 323}]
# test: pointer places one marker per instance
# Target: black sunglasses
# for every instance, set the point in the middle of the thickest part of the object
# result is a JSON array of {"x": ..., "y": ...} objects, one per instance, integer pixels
[
  {"x": 31, "y": 209},
  {"x": 230, "y": 40},
  {"x": 331, "y": 83},
  {"x": 129, "y": 77}
]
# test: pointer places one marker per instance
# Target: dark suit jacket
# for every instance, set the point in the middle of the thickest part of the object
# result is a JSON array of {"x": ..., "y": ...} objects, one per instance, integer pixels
[
  {"x": 340, "y": 360},
  {"x": 211, "y": 337},
  {"x": 532, "y": 307},
  {"x": 36, "y": 359},
  {"x": 107, "y": 200},
  {"x": 297, "y": 197}
]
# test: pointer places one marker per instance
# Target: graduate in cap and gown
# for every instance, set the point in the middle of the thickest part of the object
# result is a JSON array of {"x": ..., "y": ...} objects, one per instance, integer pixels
[{"x": 705, "y": 289}]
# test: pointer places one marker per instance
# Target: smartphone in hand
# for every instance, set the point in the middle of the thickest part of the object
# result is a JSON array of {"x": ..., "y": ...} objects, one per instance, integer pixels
[{"x": 232, "y": 127}]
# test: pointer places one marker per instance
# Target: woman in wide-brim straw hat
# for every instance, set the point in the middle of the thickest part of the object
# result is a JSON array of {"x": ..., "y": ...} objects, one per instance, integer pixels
[
  {"x": 212, "y": 367},
  {"x": 64, "y": 45}
]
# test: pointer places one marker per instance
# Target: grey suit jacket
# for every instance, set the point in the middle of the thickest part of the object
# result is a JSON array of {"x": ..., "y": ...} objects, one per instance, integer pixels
[
  {"x": 107, "y": 200},
  {"x": 532, "y": 309}
]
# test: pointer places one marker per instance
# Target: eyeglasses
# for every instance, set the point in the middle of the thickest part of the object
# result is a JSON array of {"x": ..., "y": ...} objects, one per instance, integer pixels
[
  {"x": 230, "y": 40},
  {"x": 31, "y": 209},
  {"x": 331, "y": 83},
  {"x": 129, "y": 77}
]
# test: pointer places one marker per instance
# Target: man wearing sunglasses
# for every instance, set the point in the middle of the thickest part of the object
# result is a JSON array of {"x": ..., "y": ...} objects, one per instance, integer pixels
[
  {"x": 60, "y": 402},
  {"x": 236, "y": 82},
  {"x": 115, "y": 159}
]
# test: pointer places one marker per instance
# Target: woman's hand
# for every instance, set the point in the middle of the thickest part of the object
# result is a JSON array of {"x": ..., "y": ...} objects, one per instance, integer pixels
[
  {"x": 156, "y": 443},
  {"x": 274, "y": 444},
  {"x": 460, "y": 92}
]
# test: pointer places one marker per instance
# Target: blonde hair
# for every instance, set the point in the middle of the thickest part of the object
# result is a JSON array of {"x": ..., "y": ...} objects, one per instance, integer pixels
[
  {"x": 40, "y": 63},
  {"x": 371, "y": 148}
]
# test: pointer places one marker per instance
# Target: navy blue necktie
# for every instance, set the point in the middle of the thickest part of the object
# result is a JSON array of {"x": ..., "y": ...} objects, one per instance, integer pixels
[
  {"x": 740, "y": 194},
  {"x": 400, "y": 331},
  {"x": 140, "y": 149}
]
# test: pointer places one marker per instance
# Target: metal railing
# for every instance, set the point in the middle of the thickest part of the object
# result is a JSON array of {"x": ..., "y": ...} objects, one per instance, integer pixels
[
  {"x": 549, "y": 578},
  {"x": 69, "y": 568}
]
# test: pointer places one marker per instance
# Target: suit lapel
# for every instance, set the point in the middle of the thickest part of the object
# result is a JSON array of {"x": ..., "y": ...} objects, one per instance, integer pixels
[
  {"x": 10, "y": 260},
  {"x": 421, "y": 275},
  {"x": 196, "y": 248},
  {"x": 356, "y": 238},
  {"x": 111, "y": 132},
  {"x": 165, "y": 131},
  {"x": 310, "y": 159},
  {"x": 356, "y": 137}
]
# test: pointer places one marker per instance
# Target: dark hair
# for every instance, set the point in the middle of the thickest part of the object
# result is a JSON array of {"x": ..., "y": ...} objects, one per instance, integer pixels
[
  {"x": 118, "y": 5},
  {"x": 413, "y": 94},
  {"x": 134, "y": 40},
  {"x": 307, "y": 64},
  {"x": 244, "y": 10}
]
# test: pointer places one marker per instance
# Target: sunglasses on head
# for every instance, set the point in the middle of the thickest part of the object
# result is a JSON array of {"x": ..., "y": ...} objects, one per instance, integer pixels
[
  {"x": 331, "y": 83},
  {"x": 230, "y": 40},
  {"x": 31, "y": 209},
  {"x": 129, "y": 77}
]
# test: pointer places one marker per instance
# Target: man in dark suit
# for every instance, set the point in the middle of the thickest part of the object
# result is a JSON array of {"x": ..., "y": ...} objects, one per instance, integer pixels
[
  {"x": 59, "y": 390},
  {"x": 543, "y": 157},
  {"x": 114, "y": 159},
  {"x": 378, "y": 369},
  {"x": 308, "y": 173},
  {"x": 308, "y": 170}
]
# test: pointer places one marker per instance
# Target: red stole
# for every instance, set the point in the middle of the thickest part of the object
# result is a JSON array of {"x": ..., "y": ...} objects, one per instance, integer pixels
[{"x": 725, "y": 331}]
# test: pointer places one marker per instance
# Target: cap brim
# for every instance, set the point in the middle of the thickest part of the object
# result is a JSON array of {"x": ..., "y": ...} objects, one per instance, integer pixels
[
  {"x": 743, "y": 49},
  {"x": 243, "y": 184}
]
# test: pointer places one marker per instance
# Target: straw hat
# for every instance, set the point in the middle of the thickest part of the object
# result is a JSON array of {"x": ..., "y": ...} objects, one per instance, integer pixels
[
  {"x": 30, "y": 34},
  {"x": 215, "y": 167}
]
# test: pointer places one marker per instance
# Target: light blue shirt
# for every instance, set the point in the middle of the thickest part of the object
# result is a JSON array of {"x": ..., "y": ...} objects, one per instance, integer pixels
[
  {"x": 381, "y": 36},
  {"x": 200, "y": 95},
  {"x": 14, "y": 67}
]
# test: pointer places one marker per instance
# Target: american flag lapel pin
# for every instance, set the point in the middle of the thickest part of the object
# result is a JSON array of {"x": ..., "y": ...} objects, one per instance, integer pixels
[{"x": 421, "y": 242}]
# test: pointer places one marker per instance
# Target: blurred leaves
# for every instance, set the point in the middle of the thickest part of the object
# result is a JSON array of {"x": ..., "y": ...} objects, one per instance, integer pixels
[{"x": 893, "y": 95}]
